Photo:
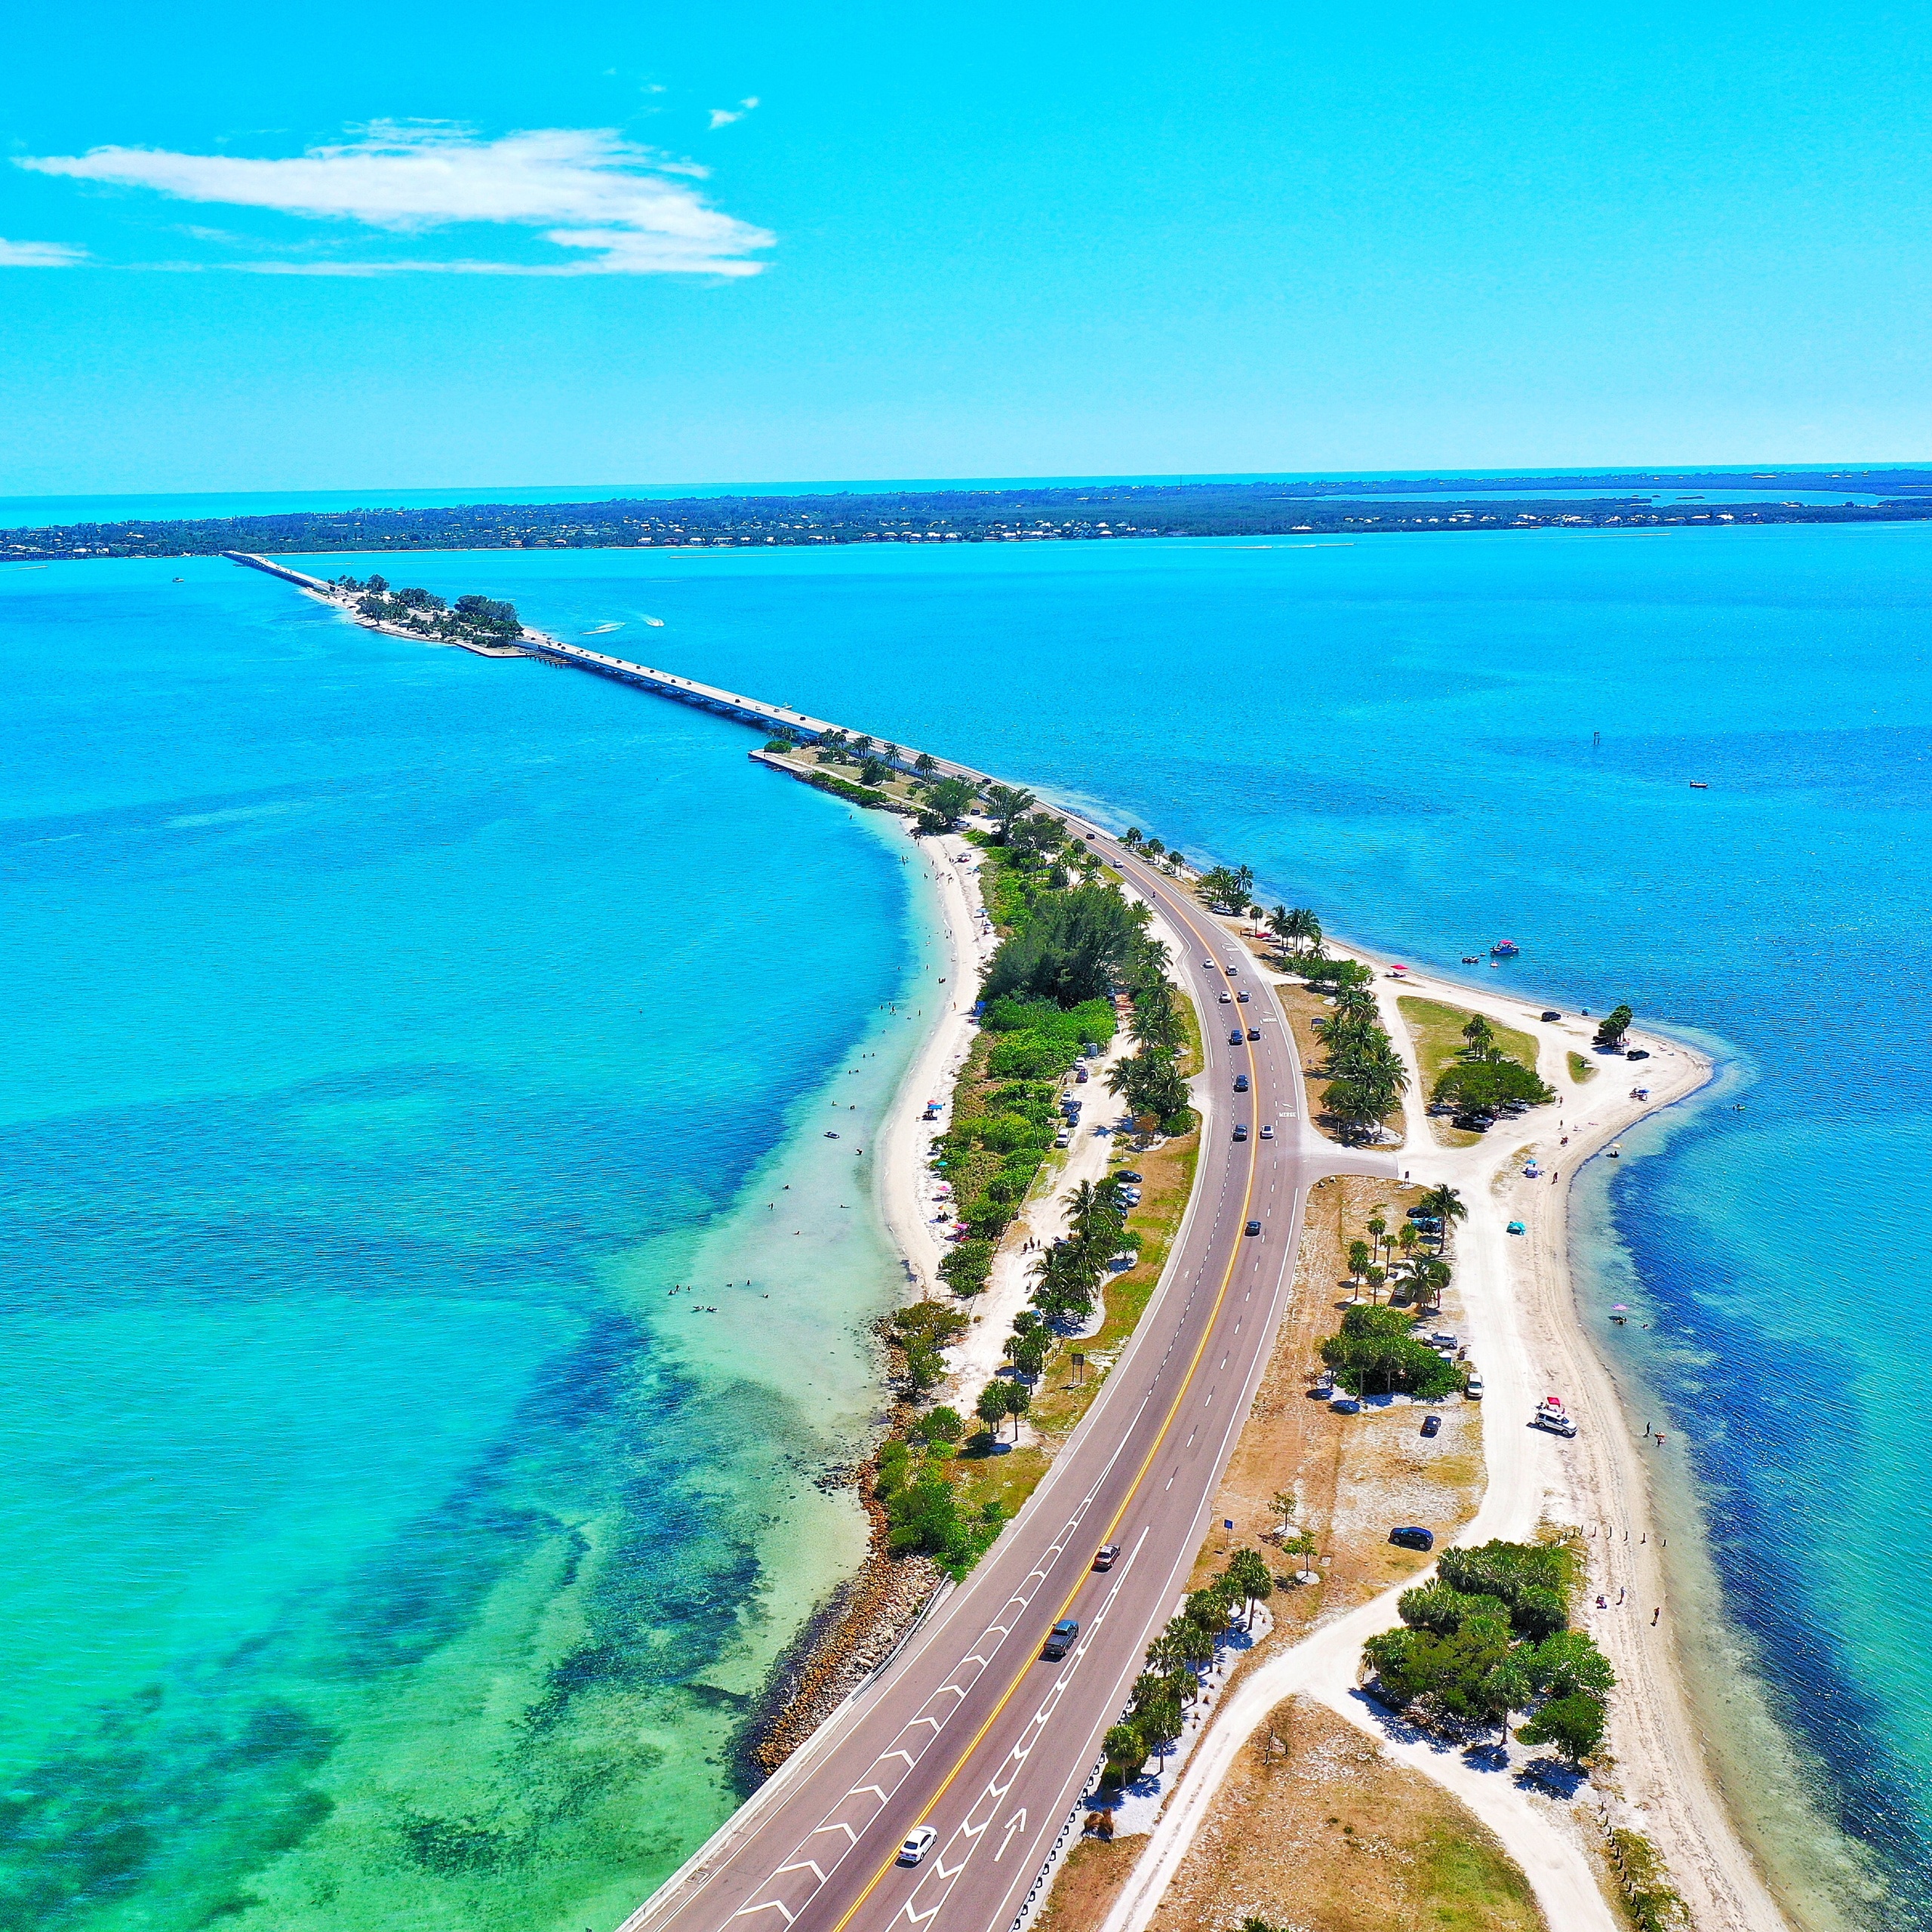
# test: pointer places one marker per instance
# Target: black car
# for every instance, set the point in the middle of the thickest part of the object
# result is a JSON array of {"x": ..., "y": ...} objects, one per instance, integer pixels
[
  {"x": 1551, "y": 1014},
  {"x": 1253, "y": 1227},
  {"x": 1241, "y": 1083},
  {"x": 1414, "y": 1537},
  {"x": 1241, "y": 1131},
  {"x": 1638, "y": 1053},
  {"x": 1234, "y": 1036},
  {"x": 1061, "y": 1638},
  {"x": 1432, "y": 1425},
  {"x": 1125, "y": 1175},
  {"x": 1255, "y": 1032}
]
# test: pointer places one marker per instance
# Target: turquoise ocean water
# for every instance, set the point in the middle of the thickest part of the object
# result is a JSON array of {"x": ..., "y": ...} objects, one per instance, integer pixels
[{"x": 366, "y": 1504}]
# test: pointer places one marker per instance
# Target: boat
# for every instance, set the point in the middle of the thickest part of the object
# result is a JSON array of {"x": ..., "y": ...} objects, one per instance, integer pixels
[
  {"x": 656, "y": 623},
  {"x": 1614, "y": 1151},
  {"x": 1698, "y": 785},
  {"x": 1505, "y": 949},
  {"x": 600, "y": 630}
]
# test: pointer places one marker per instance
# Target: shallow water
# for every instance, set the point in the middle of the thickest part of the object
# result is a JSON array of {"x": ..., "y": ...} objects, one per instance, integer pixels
[
  {"x": 1399, "y": 732},
  {"x": 383, "y": 1544}
]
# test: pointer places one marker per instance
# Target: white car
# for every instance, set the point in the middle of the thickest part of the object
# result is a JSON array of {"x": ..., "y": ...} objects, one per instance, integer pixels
[{"x": 917, "y": 1843}]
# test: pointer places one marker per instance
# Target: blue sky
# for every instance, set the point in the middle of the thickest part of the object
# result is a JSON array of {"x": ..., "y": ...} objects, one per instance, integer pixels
[{"x": 253, "y": 247}]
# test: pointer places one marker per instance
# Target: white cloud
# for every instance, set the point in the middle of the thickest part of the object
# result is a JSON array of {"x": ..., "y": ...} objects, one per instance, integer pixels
[
  {"x": 39, "y": 255},
  {"x": 723, "y": 117},
  {"x": 587, "y": 190}
]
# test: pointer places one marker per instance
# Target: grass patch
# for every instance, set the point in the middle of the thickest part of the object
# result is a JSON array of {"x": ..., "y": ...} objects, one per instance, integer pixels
[
  {"x": 1315, "y": 1828},
  {"x": 1582, "y": 1068},
  {"x": 1436, "y": 1027},
  {"x": 1437, "y": 1030}
]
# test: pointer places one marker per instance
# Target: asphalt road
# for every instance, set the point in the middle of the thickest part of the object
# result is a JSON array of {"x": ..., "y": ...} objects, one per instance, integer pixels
[{"x": 969, "y": 1730}]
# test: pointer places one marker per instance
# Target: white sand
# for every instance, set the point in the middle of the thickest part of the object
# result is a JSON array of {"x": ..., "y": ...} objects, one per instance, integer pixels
[{"x": 1527, "y": 1337}]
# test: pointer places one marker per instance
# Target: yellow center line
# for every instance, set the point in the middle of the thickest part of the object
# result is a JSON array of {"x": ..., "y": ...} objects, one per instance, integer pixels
[{"x": 1140, "y": 1476}]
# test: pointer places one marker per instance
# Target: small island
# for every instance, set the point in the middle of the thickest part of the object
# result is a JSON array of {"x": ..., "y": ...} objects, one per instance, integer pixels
[{"x": 478, "y": 623}]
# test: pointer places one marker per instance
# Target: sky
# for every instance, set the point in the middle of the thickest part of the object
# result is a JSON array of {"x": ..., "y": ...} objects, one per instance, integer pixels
[{"x": 275, "y": 249}]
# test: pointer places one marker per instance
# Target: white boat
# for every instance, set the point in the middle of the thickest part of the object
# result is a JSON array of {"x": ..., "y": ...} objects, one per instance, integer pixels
[
  {"x": 600, "y": 630},
  {"x": 656, "y": 623}
]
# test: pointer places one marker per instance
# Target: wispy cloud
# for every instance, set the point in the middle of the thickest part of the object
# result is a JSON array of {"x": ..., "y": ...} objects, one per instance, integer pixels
[
  {"x": 620, "y": 208},
  {"x": 723, "y": 117},
  {"x": 39, "y": 254}
]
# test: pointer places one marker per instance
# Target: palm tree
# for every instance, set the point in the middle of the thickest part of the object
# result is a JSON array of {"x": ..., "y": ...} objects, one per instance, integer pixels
[
  {"x": 1130, "y": 838},
  {"x": 1249, "y": 1575},
  {"x": 891, "y": 754},
  {"x": 1377, "y": 1227},
  {"x": 1006, "y": 805},
  {"x": 1295, "y": 923},
  {"x": 1447, "y": 1206},
  {"x": 861, "y": 746},
  {"x": 923, "y": 766}
]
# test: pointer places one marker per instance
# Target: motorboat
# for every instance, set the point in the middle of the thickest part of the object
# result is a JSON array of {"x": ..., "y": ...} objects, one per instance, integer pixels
[
  {"x": 1505, "y": 949},
  {"x": 1614, "y": 1151}
]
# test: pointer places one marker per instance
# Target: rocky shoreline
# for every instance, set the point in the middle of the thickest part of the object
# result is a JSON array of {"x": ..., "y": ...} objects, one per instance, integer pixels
[{"x": 854, "y": 1634}]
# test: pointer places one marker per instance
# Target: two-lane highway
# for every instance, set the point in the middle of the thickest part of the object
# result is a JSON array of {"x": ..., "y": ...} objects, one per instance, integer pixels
[{"x": 970, "y": 1730}]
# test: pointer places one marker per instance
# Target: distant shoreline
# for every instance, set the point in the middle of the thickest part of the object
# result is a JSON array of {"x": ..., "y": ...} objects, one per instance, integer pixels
[{"x": 1078, "y": 513}]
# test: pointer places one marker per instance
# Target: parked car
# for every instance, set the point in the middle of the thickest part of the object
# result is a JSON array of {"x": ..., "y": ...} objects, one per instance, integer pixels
[
  {"x": 1254, "y": 1228},
  {"x": 1638, "y": 1053},
  {"x": 1106, "y": 1556},
  {"x": 1550, "y": 1013},
  {"x": 1241, "y": 1083},
  {"x": 1414, "y": 1536},
  {"x": 1063, "y": 1140},
  {"x": 1127, "y": 1174},
  {"x": 918, "y": 1841},
  {"x": 1473, "y": 1388},
  {"x": 1344, "y": 1405},
  {"x": 1432, "y": 1425},
  {"x": 1061, "y": 1639}
]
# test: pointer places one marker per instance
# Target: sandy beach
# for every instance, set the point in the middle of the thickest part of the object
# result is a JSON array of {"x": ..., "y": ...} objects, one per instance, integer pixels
[{"x": 1529, "y": 1338}]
